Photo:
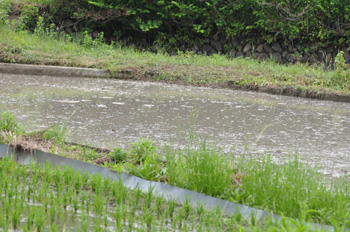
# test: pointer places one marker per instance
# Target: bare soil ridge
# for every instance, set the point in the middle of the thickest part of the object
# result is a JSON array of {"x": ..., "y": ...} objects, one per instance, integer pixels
[{"x": 153, "y": 75}]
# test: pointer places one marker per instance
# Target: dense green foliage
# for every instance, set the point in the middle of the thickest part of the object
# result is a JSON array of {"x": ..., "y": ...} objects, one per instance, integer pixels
[
  {"x": 189, "y": 19},
  {"x": 172, "y": 21}
]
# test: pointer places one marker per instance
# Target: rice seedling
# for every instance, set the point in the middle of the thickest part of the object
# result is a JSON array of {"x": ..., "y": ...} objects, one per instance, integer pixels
[
  {"x": 68, "y": 174},
  {"x": 31, "y": 218},
  {"x": 83, "y": 198},
  {"x": 58, "y": 176},
  {"x": 78, "y": 182},
  {"x": 16, "y": 213},
  {"x": 65, "y": 200},
  {"x": 171, "y": 208},
  {"x": 130, "y": 208},
  {"x": 97, "y": 225},
  {"x": 159, "y": 204},
  {"x": 149, "y": 197},
  {"x": 53, "y": 227},
  {"x": 40, "y": 219},
  {"x": 4, "y": 222},
  {"x": 52, "y": 213},
  {"x": 75, "y": 201},
  {"x": 106, "y": 185},
  {"x": 84, "y": 222},
  {"x": 96, "y": 183},
  {"x": 134, "y": 203},
  {"x": 98, "y": 204},
  {"x": 187, "y": 208},
  {"x": 105, "y": 220},
  {"x": 147, "y": 213},
  {"x": 131, "y": 220},
  {"x": 118, "y": 216}
]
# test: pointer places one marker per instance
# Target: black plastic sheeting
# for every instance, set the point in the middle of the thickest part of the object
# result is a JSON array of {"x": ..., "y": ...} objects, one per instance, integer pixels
[{"x": 167, "y": 191}]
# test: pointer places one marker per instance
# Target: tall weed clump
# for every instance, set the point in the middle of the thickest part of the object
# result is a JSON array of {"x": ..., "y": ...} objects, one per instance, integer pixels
[
  {"x": 57, "y": 133},
  {"x": 340, "y": 78},
  {"x": 295, "y": 190},
  {"x": 8, "y": 122},
  {"x": 200, "y": 169},
  {"x": 9, "y": 127}
]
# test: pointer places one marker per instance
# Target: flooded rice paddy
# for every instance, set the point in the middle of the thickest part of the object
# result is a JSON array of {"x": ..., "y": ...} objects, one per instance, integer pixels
[{"x": 109, "y": 113}]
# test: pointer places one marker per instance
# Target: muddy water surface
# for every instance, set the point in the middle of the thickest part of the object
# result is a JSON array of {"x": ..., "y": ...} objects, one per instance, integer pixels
[{"x": 111, "y": 113}]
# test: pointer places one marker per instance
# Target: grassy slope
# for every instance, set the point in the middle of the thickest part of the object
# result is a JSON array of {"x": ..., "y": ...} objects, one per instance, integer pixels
[{"x": 185, "y": 68}]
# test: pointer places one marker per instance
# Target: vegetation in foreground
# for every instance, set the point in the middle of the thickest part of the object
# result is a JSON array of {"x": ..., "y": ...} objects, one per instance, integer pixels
[
  {"x": 44, "y": 199},
  {"x": 292, "y": 189},
  {"x": 46, "y": 46}
]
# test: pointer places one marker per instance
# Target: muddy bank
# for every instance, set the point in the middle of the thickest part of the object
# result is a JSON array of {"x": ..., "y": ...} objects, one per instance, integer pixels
[
  {"x": 157, "y": 75},
  {"x": 109, "y": 113}
]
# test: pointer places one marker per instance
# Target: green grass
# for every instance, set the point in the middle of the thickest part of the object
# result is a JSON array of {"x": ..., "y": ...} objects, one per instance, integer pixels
[
  {"x": 295, "y": 189},
  {"x": 184, "y": 68},
  {"x": 292, "y": 189},
  {"x": 38, "y": 198},
  {"x": 58, "y": 133}
]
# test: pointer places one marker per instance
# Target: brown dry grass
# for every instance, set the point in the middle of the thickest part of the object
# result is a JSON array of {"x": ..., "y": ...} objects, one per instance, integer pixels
[{"x": 34, "y": 142}]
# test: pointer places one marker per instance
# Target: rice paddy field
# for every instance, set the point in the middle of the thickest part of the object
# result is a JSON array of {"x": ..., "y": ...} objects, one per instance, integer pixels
[
  {"x": 35, "y": 198},
  {"x": 42, "y": 198}
]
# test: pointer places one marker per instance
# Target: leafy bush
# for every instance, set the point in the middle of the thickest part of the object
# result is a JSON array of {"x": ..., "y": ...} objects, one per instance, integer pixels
[
  {"x": 142, "y": 149},
  {"x": 118, "y": 155},
  {"x": 8, "y": 122},
  {"x": 339, "y": 78},
  {"x": 29, "y": 16},
  {"x": 192, "y": 20},
  {"x": 4, "y": 10},
  {"x": 150, "y": 168}
]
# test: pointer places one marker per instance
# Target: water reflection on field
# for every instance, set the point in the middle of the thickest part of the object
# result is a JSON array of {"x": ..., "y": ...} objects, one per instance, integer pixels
[{"x": 113, "y": 113}]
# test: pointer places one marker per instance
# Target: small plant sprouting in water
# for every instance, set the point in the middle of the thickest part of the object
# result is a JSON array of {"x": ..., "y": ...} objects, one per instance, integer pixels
[
  {"x": 171, "y": 208},
  {"x": 187, "y": 207},
  {"x": 84, "y": 222},
  {"x": 96, "y": 183},
  {"x": 159, "y": 202},
  {"x": 16, "y": 213},
  {"x": 98, "y": 204}
]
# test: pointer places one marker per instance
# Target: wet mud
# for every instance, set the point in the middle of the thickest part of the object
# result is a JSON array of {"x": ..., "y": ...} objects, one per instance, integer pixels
[{"x": 108, "y": 113}]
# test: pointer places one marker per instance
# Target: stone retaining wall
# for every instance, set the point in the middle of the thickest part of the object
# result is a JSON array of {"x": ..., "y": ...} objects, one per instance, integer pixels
[{"x": 279, "y": 51}]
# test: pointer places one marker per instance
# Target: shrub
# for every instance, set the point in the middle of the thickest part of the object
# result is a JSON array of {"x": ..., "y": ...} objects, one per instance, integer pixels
[
  {"x": 192, "y": 20},
  {"x": 118, "y": 155},
  {"x": 8, "y": 122},
  {"x": 142, "y": 149}
]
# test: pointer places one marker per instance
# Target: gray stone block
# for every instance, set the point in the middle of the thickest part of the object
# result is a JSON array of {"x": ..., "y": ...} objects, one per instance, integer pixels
[
  {"x": 277, "y": 57},
  {"x": 247, "y": 47},
  {"x": 276, "y": 47}
]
